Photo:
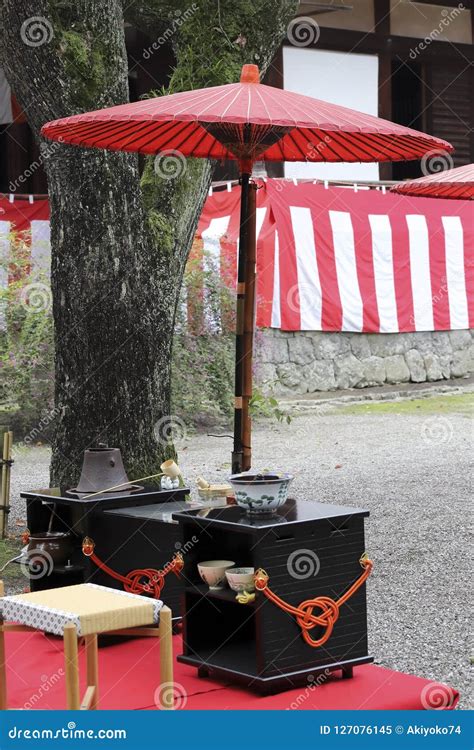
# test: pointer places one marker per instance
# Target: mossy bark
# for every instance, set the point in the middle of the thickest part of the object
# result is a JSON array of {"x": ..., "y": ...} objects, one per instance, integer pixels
[{"x": 120, "y": 243}]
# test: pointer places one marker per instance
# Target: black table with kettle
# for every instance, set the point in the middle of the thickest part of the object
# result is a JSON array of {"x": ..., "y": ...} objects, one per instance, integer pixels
[
  {"x": 128, "y": 531},
  {"x": 131, "y": 527}
]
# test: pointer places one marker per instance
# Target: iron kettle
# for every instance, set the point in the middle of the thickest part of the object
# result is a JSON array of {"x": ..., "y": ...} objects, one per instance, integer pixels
[{"x": 103, "y": 469}]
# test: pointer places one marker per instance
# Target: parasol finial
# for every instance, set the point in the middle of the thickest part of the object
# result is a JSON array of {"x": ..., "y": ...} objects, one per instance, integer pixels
[{"x": 250, "y": 74}]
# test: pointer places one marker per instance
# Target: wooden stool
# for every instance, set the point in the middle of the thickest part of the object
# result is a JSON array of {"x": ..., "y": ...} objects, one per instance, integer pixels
[{"x": 87, "y": 610}]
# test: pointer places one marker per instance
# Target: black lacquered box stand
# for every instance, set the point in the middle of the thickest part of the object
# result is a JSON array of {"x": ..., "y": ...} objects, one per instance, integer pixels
[
  {"x": 308, "y": 549},
  {"x": 129, "y": 531}
]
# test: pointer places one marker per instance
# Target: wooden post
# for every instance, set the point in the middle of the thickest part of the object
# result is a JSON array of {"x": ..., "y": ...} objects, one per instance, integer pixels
[
  {"x": 3, "y": 664},
  {"x": 249, "y": 327},
  {"x": 5, "y": 486},
  {"x": 241, "y": 454},
  {"x": 9, "y": 473},
  {"x": 92, "y": 661},
  {"x": 166, "y": 658},
  {"x": 71, "y": 664}
]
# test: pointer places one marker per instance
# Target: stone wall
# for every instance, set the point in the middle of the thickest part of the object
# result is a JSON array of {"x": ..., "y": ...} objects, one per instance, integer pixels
[{"x": 308, "y": 361}]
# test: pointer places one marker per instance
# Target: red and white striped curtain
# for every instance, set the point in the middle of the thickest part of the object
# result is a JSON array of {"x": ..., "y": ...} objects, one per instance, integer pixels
[
  {"x": 333, "y": 259},
  {"x": 29, "y": 219},
  {"x": 328, "y": 259}
]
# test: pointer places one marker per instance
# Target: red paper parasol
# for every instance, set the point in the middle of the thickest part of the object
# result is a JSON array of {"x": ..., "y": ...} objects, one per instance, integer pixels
[
  {"x": 452, "y": 183},
  {"x": 246, "y": 121}
]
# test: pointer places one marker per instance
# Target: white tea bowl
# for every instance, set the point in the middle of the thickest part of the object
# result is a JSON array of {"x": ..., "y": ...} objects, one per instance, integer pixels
[
  {"x": 212, "y": 572},
  {"x": 241, "y": 579}
]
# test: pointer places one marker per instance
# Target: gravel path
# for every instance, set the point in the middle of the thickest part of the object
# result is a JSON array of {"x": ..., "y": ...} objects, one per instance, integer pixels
[{"x": 410, "y": 466}]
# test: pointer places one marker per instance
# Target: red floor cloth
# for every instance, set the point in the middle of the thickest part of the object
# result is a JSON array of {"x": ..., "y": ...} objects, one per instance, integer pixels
[{"x": 129, "y": 679}]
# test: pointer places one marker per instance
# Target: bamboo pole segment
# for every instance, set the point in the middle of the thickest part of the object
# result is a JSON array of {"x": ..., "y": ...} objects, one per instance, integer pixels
[
  {"x": 8, "y": 468},
  {"x": 3, "y": 664},
  {"x": 243, "y": 339},
  {"x": 166, "y": 659},
  {"x": 237, "y": 454},
  {"x": 122, "y": 484},
  {"x": 71, "y": 666},
  {"x": 249, "y": 327},
  {"x": 3, "y": 491},
  {"x": 92, "y": 661}
]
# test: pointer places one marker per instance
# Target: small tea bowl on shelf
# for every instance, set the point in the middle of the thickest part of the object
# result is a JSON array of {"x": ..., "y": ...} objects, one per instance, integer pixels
[
  {"x": 261, "y": 493},
  {"x": 212, "y": 572},
  {"x": 241, "y": 579}
]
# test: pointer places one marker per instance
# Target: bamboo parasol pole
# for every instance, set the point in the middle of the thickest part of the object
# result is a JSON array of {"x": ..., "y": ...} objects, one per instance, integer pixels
[
  {"x": 5, "y": 483},
  {"x": 249, "y": 327},
  {"x": 241, "y": 455}
]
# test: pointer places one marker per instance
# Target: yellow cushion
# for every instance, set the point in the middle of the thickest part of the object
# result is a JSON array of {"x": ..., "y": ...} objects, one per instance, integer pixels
[{"x": 92, "y": 608}]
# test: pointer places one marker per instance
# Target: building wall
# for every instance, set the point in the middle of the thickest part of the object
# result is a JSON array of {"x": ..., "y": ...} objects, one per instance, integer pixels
[
  {"x": 310, "y": 361},
  {"x": 342, "y": 14},
  {"x": 431, "y": 21},
  {"x": 339, "y": 78}
]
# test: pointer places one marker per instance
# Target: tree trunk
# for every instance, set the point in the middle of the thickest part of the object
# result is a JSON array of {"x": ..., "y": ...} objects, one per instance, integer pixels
[
  {"x": 119, "y": 245},
  {"x": 112, "y": 325}
]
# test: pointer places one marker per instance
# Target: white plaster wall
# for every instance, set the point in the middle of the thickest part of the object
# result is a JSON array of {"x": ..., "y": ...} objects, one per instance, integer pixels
[{"x": 341, "y": 78}]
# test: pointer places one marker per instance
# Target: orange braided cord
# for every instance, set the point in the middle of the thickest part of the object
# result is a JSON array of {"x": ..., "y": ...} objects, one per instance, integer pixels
[
  {"x": 304, "y": 612},
  {"x": 141, "y": 580}
]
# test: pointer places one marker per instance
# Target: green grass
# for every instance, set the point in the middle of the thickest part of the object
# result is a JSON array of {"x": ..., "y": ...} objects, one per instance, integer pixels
[
  {"x": 462, "y": 403},
  {"x": 13, "y": 577}
]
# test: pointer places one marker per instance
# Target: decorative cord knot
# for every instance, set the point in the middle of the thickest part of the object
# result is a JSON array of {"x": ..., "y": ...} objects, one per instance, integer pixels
[
  {"x": 304, "y": 613},
  {"x": 140, "y": 581},
  {"x": 146, "y": 581},
  {"x": 327, "y": 619}
]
